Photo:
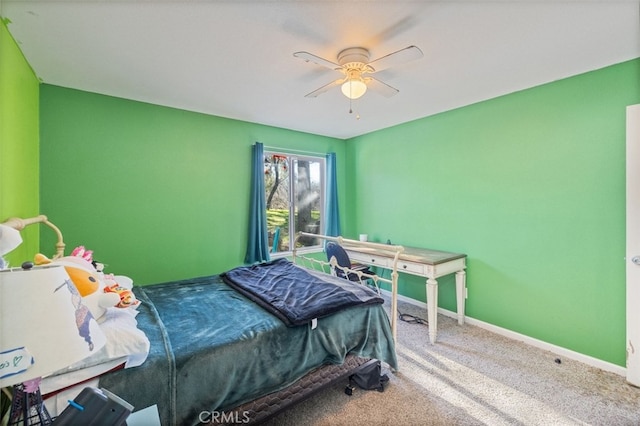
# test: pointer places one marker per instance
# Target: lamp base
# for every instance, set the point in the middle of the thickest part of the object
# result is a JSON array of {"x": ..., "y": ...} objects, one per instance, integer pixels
[{"x": 27, "y": 407}]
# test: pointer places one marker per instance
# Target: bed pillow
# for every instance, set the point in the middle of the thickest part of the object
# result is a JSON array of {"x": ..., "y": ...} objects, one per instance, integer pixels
[{"x": 123, "y": 340}]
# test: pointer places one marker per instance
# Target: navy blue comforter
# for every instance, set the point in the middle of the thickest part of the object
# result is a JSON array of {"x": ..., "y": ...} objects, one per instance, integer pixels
[{"x": 293, "y": 294}]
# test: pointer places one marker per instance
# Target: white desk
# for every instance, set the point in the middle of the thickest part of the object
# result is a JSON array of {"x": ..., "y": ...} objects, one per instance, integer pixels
[{"x": 431, "y": 264}]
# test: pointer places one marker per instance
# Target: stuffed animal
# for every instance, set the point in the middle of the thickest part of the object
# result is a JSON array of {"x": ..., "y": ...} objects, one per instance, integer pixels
[
  {"x": 87, "y": 255},
  {"x": 83, "y": 253},
  {"x": 119, "y": 285},
  {"x": 122, "y": 286},
  {"x": 127, "y": 298},
  {"x": 87, "y": 281}
]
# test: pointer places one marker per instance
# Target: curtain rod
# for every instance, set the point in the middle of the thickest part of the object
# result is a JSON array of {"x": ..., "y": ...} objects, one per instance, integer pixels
[{"x": 293, "y": 151}]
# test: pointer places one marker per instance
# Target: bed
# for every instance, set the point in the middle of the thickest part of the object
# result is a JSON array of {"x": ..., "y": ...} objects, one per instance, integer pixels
[{"x": 217, "y": 353}]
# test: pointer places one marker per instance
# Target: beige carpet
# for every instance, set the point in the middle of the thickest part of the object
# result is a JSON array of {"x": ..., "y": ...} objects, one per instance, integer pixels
[{"x": 474, "y": 377}]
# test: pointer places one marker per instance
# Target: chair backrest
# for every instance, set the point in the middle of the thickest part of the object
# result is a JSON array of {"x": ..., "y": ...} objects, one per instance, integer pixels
[{"x": 336, "y": 250}]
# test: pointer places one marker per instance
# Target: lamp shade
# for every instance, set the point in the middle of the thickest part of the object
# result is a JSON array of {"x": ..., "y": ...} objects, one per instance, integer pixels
[
  {"x": 9, "y": 239},
  {"x": 354, "y": 88},
  {"x": 44, "y": 326}
]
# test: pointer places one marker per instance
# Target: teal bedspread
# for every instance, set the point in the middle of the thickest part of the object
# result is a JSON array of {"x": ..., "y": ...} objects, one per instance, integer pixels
[{"x": 212, "y": 349}]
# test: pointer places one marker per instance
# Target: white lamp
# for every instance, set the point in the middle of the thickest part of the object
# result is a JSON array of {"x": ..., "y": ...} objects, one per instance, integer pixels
[
  {"x": 44, "y": 327},
  {"x": 9, "y": 239},
  {"x": 354, "y": 86}
]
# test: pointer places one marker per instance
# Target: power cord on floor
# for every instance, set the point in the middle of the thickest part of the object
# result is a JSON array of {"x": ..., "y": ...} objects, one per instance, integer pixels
[
  {"x": 412, "y": 319},
  {"x": 408, "y": 318}
]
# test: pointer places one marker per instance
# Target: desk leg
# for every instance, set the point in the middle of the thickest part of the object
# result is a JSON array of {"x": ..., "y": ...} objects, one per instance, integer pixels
[
  {"x": 394, "y": 306},
  {"x": 432, "y": 308},
  {"x": 461, "y": 293}
]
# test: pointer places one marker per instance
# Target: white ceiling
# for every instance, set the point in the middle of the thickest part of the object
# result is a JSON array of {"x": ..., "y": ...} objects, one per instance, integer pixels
[{"x": 235, "y": 58}]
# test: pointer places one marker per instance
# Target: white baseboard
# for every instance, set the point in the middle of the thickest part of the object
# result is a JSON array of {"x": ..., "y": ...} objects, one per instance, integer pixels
[{"x": 558, "y": 350}]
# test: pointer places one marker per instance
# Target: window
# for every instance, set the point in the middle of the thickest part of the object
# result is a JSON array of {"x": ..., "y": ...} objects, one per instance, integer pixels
[{"x": 294, "y": 194}]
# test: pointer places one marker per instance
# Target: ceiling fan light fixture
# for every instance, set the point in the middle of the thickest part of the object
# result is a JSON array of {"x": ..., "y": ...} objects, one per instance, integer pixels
[
  {"x": 354, "y": 86},
  {"x": 353, "y": 63}
]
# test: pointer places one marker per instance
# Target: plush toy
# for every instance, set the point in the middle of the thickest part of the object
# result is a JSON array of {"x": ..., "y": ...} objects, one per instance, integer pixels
[
  {"x": 80, "y": 272},
  {"x": 119, "y": 285},
  {"x": 122, "y": 286},
  {"x": 86, "y": 280},
  {"x": 83, "y": 253},
  {"x": 87, "y": 255},
  {"x": 127, "y": 298},
  {"x": 98, "y": 290}
]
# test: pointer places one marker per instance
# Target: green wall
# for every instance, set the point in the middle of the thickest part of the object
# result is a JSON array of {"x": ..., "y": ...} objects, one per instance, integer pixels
[
  {"x": 158, "y": 193},
  {"x": 531, "y": 186},
  {"x": 19, "y": 138}
]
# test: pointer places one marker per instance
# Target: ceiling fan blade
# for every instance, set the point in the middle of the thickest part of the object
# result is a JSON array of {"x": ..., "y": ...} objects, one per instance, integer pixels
[
  {"x": 308, "y": 57},
  {"x": 403, "y": 55},
  {"x": 378, "y": 86},
  {"x": 324, "y": 88}
]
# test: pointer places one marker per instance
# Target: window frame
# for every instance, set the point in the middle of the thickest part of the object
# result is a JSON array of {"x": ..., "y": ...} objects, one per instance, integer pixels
[{"x": 310, "y": 157}]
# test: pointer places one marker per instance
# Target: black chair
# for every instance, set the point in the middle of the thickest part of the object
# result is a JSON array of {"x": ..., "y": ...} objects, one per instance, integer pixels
[{"x": 342, "y": 259}]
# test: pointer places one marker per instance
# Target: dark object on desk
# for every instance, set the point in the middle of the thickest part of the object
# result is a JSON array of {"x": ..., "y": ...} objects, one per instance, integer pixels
[
  {"x": 95, "y": 407},
  {"x": 342, "y": 259}
]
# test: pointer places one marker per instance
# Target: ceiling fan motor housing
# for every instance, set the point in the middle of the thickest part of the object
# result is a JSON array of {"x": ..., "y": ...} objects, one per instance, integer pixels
[{"x": 354, "y": 58}]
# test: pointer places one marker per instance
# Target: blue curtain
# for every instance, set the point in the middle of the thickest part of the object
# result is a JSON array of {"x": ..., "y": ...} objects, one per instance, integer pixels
[
  {"x": 258, "y": 244},
  {"x": 332, "y": 215}
]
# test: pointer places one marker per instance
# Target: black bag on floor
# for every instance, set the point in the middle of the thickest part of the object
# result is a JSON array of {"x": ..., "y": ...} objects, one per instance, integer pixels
[{"x": 369, "y": 376}]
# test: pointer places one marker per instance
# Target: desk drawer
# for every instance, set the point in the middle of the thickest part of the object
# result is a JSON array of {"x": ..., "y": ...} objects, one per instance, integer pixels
[
  {"x": 422, "y": 267},
  {"x": 411, "y": 268},
  {"x": 386, "y": 262},
  {"x": 370, "y": 259}
]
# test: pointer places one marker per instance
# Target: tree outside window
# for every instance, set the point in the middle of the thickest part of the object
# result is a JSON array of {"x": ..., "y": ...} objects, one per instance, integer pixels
[{"x": 294, "y": 196}]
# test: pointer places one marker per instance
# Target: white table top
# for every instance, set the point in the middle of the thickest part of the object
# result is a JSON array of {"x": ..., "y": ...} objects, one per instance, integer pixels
[{"x": 411, "y": 254}]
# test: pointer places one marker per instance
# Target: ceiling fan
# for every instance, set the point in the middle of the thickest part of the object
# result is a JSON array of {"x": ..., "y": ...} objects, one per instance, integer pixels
[{"x": 354, "y": 64}]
